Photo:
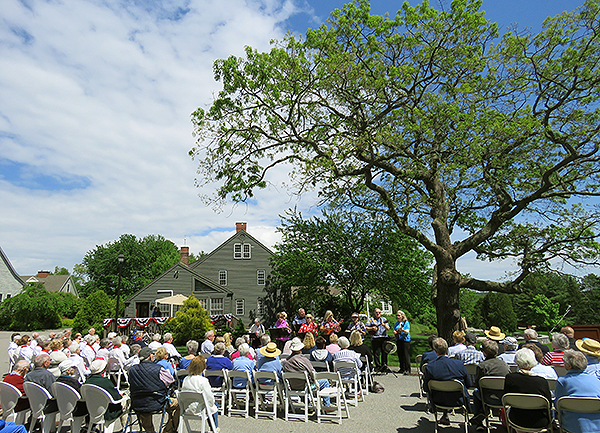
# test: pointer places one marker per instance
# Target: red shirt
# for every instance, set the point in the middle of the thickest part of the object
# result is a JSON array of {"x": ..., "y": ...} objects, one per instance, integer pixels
[{"x": 16, "y": 380}]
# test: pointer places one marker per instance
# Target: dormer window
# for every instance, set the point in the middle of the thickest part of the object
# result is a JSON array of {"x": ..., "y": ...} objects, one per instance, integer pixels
[{"x": 241, "y": 251}]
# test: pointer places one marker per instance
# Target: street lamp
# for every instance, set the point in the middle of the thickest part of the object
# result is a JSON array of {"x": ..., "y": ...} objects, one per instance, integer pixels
[{"x": 121, "y": 259}]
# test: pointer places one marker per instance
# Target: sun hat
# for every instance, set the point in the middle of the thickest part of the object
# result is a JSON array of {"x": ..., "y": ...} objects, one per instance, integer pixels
[
  {"x": 98, "y": 366},
  {"x": 271, "y": 350},
  {"x": 589, "y": 346},
  {"x": 495, "y": 334},
  {"x": 66, "y": 365},
  {"x": 390, "y": 347},
  {"x": 297, "y": 345},
  {"x": 145, "y": 353},
  {"x": 510, "y": 341}
]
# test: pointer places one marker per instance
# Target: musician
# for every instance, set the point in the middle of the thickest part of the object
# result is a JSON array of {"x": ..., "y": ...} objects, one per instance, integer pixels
[
  {"x": 378, "y": 327},
  {"x": 329, "y": 325},
  {"x": 257, "y": 328},
  {"x": 300, "y": 318},
  {"x": 357, "y": 325},
  {"x": 309, "y": 326}
]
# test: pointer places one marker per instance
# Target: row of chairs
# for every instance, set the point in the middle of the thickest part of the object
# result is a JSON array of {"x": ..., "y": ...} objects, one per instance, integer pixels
[{"x": 268, "y": 393}]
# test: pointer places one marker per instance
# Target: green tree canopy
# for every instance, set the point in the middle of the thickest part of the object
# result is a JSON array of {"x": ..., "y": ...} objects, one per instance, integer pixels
[
  {"x": 94, "y": 309},
  {"x": 32, "y": 309},
  {"x": 145, "y": 259},
  {"x": 429, "y": 119}
]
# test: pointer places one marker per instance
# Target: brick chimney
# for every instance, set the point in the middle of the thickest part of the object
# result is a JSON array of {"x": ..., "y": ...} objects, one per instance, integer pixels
[
  {"x": 240, "y": 226},
  {"x": 185, "y": 255},
  {"x": 43, "y": 274}
]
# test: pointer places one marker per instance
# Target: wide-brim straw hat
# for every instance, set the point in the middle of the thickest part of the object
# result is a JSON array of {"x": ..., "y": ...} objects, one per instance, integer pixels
[
  {"x": 271, "y": 350},
  {"x": 589, "y": 346},
  {"x": 495, "y": 334}
]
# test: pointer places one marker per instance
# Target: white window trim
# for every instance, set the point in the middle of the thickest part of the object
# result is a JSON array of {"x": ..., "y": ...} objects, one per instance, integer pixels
[
  {"x": 222, "y": 272},
  {"x": 258, "y": 278},
  {"x": 260, "y": 306},
  {"x": 239, "y": 302},
  {"x": 214, "y": 310},
  {"x": 242, "y": 251}
]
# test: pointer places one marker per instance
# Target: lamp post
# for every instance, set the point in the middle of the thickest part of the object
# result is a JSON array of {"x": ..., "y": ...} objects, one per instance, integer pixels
[{"x": 121, "y": 259}]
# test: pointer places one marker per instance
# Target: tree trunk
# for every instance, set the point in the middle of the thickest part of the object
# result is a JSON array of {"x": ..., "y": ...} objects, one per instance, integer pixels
[{"x": 446, "y": 302}]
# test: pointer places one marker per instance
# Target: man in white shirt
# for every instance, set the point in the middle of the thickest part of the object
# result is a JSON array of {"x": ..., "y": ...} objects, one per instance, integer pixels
[
  {"x": 208, "y": 345},
  {"x": 155, "y": 344},
  {"x": 168, "y": 344}
]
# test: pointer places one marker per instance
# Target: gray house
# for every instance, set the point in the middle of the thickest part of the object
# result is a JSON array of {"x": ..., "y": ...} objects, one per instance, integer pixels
[
  {"x": 229, "y": 280},
  {"x": 53, "y": 283},
  {"x": 10, "y": 282}
]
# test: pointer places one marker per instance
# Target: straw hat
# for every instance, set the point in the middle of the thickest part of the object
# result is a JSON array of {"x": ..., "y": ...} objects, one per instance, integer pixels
[
  {"x": 589, "y": 347},
  {"x": 495, "y": 334},
  {"x": 297, "y": 345},
  {"x": 271, "y": 350}
]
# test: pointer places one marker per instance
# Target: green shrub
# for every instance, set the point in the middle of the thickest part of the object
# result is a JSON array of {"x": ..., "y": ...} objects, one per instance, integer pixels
[
  {"x": 497, "y": 310},
  {"x": 32, "y": 309},
  {"x": 94, "y": 309},
  {"x": 190, "y": 322}
]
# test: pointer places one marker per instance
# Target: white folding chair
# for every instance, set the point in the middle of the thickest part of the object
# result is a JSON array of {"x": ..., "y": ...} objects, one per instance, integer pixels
[
  {"x": 266, "y": 394},
  {"x": 527, "y": 402},
  {"x": 188, "y": 404},
  {"x": 579, "y": 405},
  {"x": 336, "y": 394},
  {"x": 220, "y": 392},
  {"x": 299, "y": 394},
  {"x": 67, "y": 398},
  {"x": 350, "y": 374},
  {"x": 320, "y": 365},
  {"x": 116, "y": 372},
  {"x": 97, "y": 400},
  {"x": 9, "y": 397},
  {"x": 38, "y": 398},
  {"x": 366, "y": 377},
  {"x": 450, "y": 386},
  {"x": 239, "y": 395}
]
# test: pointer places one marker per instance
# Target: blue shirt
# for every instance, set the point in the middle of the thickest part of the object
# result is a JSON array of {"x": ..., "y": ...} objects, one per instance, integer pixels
[
  {"x": 270, "y": 364},
  {"x": 381, "y": 331},
  {"x": 242, "y": 363},
  {"x": 577, "y": 383},
  {"x": 406, "y": 326}
]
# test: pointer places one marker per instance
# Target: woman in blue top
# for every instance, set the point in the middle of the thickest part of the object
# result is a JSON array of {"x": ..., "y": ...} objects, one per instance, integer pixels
[{"x": 402, "y": 333}]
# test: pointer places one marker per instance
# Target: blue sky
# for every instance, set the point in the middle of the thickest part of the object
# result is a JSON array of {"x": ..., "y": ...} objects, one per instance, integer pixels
[{"x": 95, "y": 99}]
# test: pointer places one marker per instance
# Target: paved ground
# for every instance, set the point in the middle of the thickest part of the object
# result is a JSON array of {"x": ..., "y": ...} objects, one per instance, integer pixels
[{"x": 397, "y": 410}]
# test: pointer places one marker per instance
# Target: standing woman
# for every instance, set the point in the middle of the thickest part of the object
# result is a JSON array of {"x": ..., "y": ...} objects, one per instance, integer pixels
[
  {"x": 329, "y": 325},
  {"x": 402, "y": 333},
  {"x": 284, "y": 334}
]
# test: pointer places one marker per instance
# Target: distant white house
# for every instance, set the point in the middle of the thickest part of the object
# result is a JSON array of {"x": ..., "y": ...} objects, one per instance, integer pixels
[{"x": 10, "y": 282}]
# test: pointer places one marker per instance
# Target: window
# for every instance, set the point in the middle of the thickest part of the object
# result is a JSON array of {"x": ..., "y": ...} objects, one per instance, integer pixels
[
  {"x": 260, "y": 307},
  {"x": 204, "y": 304},
  {"x": 216, "y": 306},
  {"x": 223, "y": 278},
  {"x": 239, "y": 307},
  {"x": 8, "y": 296},
  {"x": 0, "y": 297},
  {"x": 386, "y": 307},
  {"x": 260, "y": 277},
  {"x": 242, "y": 251}
]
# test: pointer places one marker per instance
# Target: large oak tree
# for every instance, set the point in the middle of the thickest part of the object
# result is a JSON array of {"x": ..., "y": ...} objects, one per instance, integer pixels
[{"x": 466, "y": 141}]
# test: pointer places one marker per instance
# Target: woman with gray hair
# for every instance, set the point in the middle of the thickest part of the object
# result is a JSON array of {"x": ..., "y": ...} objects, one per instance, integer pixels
[
  {"x": 192, "y": 350},
  {"x": 526, "y": 382},
  {"x": 560, "y": 343},
  {"x": 577, "y": 383}
]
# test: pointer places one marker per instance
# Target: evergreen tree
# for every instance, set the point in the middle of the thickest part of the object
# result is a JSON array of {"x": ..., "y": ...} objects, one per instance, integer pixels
[{"x": 190, "y": 322}]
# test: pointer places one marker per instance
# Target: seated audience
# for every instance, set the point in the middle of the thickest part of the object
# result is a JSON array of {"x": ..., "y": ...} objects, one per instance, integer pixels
[
  {"x": 495, "y": 334},
  {"x": 459, "y": 344},
  {"x": 470, "y": 355},
  {"x": 510, "y": 350},
  {"x": 149, "y": 384},
  {"x": 540, "y": 369},
  {"x": 445, "y": 368},
  {"x": 430, "y": 355},
  {"x": 197, "y": 383},
  {"x": 229, "y": 348},
  {"x": 531, "y": 337},
  {"x": 297, "y": 362},
  {"x": 134, "y": 358},
  {"x": 242, "y": 363},
  {"x": 570, "y": 334},
  {"x": 333, "y": 346},
  {"x": 526, "y": 382},
  {"x": 168, "y": 344},
  {"x": 238, "y": 342},
  {"x": 321, "y": 354},
  {"x": 578, "y": 383},
  {"x": 560, "y": 343},
  {"x": 16, "y": 378},
  {"x": 309, "y": 343},
  {"x": 269, "y": 361},
  {"x": 357, "y": 344},
  {"x": 155, "y": 343},
  {"x": 96, "y": 377},
  {"x": 346, "y": 355},
  {"x": 161, "y": 357},
  {"x": 591, "y": 349},
  {"x": 208, "y": 344},
  {"x": 218, "y": 361},
  {"x": 192, "y": 350}
]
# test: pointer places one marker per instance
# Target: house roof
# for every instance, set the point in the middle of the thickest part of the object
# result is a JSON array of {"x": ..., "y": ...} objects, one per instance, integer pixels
[
  {"x": 242, "y": 235},
  {"x": 52, "y": 283},
  {"x": 10, "y": 267}
]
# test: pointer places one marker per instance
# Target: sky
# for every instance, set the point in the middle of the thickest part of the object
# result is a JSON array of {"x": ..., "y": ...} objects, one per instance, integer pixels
[{"x": 95, "y": 103}]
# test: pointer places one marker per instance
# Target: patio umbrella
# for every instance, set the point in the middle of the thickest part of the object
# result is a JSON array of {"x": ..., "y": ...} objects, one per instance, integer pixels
[{"x": 172, "y": 300}]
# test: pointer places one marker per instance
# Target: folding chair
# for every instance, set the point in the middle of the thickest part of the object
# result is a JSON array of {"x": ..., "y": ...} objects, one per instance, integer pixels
[
  {"x": 471, "y": 371},
  {"x": 527, "y": 402},
  {"x": 132, "y": 412},
  {"x": 266, "y": 391},
  {"x": 67, "y": 398},
  {"x": 453, "y": 386},
  {"x": 97, "y": 400},
  {"x": 420, "y": 375},
  {"x": 186, "y": 399},
  {"x": 38, "y": 398},
  {"x": 335, "y": 392},
  {"x": 551, "y": 384},
  {"x": 220, "y": 392},
  {"x": 9, "y": 397},
  {"x": 116, "y": 372},
  {"x": 320, "y": 365},
  {"x": 576, "y": 404},
  {"x": 366, "y": 377},
  {"x": 300, "y": 394},
  {"x": 179, "y": 376},
  {"x": 513, "y": 368},
  {"x": 491, "y": 389},
  {"x": 350, "y": 374},
  {"x": 236, "y": 394}
]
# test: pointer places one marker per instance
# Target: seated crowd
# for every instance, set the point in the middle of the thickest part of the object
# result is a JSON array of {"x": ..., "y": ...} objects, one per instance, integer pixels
[{"x": 533, "y": 365}]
